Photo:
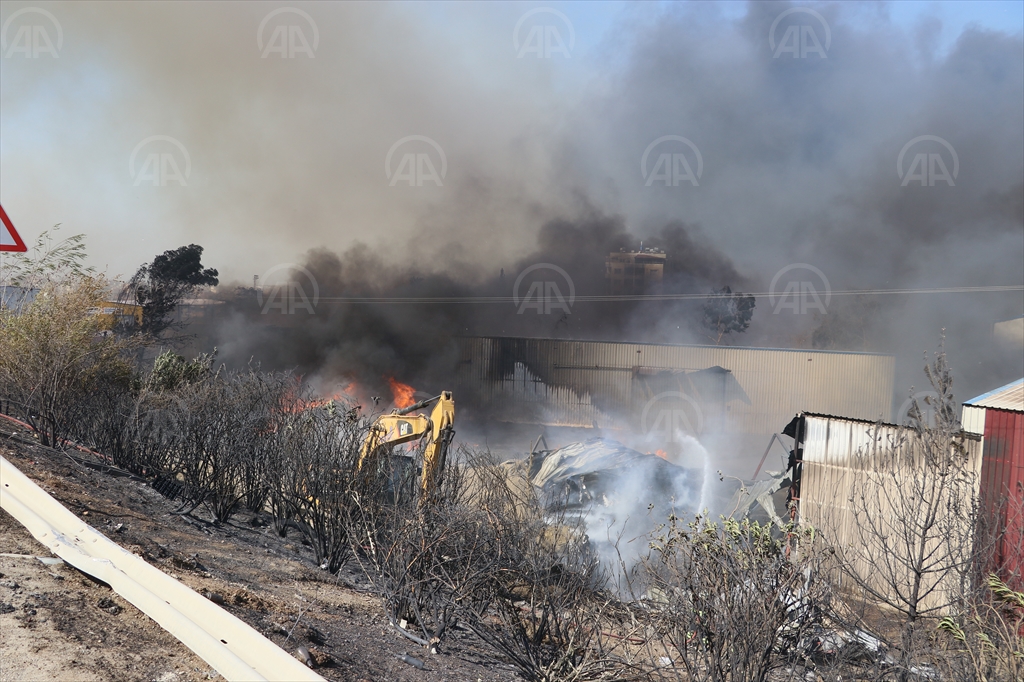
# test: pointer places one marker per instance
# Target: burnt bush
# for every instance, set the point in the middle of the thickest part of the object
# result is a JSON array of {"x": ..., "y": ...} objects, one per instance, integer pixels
[
  {"x": 222, "y": 437},
  {"x": 103, "y": 421},
  {"x": 154, "y": 417},
  {"x": 736, "y": 600},
  {"x": 211, "y": 432},
  {"x": 546, "y": 606},
  {"x": 985, "y": 641},
  {"x": 429, "y": 557},
  {"x": 482, "y": 551},
  {"x": 308, "y": 473}
]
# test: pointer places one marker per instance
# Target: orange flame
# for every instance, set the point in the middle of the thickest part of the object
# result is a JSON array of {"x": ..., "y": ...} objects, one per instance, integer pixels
[
  {"x": 402, "y": 393},
  {"x": 299, "y": 405},
  {"x": 662, "y": 454}
]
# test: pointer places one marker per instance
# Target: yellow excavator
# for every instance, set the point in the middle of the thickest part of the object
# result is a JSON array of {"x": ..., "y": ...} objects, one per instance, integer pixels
[{"x": 401, "y": 426}]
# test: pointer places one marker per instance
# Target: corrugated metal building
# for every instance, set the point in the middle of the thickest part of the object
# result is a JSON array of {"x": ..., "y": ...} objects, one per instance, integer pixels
[
  {"x": 631, "y": 385},
  {"x": 998, "y": 416},
  {"x": 863, "y": 484}
]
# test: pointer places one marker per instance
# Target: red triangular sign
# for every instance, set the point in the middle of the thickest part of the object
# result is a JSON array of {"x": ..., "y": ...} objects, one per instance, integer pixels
[{"x": 9, "y": 238}]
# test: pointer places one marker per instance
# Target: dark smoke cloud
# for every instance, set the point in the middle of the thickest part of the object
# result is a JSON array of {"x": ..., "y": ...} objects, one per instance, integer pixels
[
  {"x": 799, "y": 167},
  {"x": 414, "y": 341},
  {"x": 800, "y": 160}
]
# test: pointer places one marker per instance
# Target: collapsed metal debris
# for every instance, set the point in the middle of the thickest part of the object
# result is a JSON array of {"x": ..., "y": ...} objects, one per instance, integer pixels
[
  {"x": 758, "y": 499},
  {"x": 595, "y": 471},
  {"x": 606, "y": 473}
]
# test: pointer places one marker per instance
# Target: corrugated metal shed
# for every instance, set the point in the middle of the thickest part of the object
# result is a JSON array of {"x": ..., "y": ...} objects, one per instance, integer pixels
[
  {"x": 855, "y": 486},
  {"x": 747, "y": 390},
  {"x": 999, "y": 416},
  {"x": 972, "y": 419},
  {"x": 1009, "y": 397}
]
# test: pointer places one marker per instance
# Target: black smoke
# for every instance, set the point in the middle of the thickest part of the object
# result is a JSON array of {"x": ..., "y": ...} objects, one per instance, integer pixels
[
  {"x": 799, "y": 166},
  {"x": 376, "y": 318}
]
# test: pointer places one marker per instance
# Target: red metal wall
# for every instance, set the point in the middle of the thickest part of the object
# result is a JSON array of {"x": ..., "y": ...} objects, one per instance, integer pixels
[{"x": 1002, "y": 484}]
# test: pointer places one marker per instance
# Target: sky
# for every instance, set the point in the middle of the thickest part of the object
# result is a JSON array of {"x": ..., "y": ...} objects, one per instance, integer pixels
[
  {"x": 879, "y": 143},
  {"x": 68, "y": 125}
]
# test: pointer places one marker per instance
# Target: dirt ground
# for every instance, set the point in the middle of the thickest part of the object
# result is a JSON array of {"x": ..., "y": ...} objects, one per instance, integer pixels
[{"x": 58, "y": 624}]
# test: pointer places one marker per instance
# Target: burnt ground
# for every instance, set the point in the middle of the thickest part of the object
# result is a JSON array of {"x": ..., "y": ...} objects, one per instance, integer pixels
[{"x": 57, "y": 623}]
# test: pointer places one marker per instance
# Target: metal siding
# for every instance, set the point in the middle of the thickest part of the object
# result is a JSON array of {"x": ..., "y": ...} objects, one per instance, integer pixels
[
  {"x": 581, "y": 382},
  {"x": 1008, "y": 397},
  {"x": 832, "y": 471},
  {"x": 1002, "y": 477},
  {"x": 972, "y": 419}
]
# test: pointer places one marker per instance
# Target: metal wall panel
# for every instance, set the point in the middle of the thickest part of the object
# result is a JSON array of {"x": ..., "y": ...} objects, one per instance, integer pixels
[
  {"x": 973, "y": 419},
  {"x": 1003, "y": 468},
  {"x": 1008, "y": 397},
  {"x": 748, "y": 390},
  {"x": 1002, "y": 481},
  {"x": 846, "y": 482}
]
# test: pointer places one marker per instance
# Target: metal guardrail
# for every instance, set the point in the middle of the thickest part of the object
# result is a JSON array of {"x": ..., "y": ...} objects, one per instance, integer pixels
[{"x": 231, "y": 647}]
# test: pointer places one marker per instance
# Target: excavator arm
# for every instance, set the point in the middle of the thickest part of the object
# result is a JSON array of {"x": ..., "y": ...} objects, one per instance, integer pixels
[{"x": 403, "y": 427}]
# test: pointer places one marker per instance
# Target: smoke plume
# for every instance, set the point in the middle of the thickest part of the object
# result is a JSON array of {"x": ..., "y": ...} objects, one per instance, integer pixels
[{"x": 798, "y": 165}]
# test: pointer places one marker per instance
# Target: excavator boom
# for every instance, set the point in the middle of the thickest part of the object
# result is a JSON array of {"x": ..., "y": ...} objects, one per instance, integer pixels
[{"x": 402, "y": 427}]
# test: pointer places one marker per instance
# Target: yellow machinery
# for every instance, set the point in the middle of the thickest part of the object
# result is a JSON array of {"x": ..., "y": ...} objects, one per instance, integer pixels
[{"x": 401, "y": 426}]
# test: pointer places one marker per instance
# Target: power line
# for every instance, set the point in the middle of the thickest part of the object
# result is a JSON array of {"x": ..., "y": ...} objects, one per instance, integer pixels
[{"x": 675, "y": 297}]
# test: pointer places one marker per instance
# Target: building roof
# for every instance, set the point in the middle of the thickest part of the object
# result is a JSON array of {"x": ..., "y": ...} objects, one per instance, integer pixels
[
  {"x": 817, "y": 351},
  {"x": 201, "y": 301},
  {"x": 1009, "y": 397}
]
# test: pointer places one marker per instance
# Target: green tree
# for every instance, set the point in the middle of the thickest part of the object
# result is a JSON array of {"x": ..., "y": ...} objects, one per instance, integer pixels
[
  {"x": 159, "y": 287},
  {"x": 57, "y": 355},
  {"x": 45, "y": 263},
  {"x": 171, "y": 370},
  {"x": 725, "y": 312}
]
